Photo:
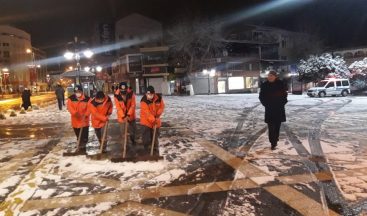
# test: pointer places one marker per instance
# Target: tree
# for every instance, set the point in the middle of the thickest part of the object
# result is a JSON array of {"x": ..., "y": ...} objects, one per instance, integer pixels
[
  {"x": 317, "y": 68},
  {"x": 359, "y": 74},
  {"x": 305, "y": 45},
  {"x": 359, "y": 67},
  {"x": 193, "y": 42}
]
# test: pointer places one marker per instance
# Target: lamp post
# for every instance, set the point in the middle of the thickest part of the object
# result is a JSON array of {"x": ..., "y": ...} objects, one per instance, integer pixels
[
  {"x": 210, "y": 73},
  {"x": 33, "y": 74},
  {"x": 5, "y": 72},
  {"x": 76, "y": 52}
]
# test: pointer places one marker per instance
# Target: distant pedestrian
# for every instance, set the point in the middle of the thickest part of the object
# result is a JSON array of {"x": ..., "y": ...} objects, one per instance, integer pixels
[
  {"x": 60, "y": 95},
  {"x": 26, "y": 98},
  {"x": 273, "y": 96}
]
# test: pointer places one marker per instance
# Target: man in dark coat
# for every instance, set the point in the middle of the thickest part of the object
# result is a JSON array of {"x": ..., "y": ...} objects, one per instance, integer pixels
[
  {"x": 273, "y": 96},
  {"x": 26, "y": 98},
  {"x": 60, "y": 94}
]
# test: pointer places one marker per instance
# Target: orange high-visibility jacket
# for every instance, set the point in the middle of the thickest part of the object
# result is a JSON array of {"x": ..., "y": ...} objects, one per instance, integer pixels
[
  {"x": 100, "y": 111},
  {"x": 125, "y": 108},
  {"x": 151, "y": 110},
  {"x": 78, "y": 108}
]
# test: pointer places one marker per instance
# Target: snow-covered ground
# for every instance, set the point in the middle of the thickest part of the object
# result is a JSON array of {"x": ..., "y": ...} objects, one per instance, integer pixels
[{"x": 316, "y": 127}]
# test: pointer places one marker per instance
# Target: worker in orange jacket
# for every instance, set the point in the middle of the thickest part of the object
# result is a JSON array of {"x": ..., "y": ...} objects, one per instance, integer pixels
[
  {"x": 151, "y": 109},
  {"x": 100, "y": 108},
  {"x": 125, "y": 104},
  {"x": 78, "y": 108}
]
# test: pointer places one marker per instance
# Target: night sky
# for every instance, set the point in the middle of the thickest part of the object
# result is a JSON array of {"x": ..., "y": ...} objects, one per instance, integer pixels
[{"x": 52, "y": 23}]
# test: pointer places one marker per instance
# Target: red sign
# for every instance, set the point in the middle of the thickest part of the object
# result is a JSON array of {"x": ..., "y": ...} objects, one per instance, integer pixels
[{"x": 155, "y": 70}]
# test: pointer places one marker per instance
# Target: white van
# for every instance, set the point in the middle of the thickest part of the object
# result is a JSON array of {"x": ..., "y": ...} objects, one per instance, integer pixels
[{"x": 330, "y": 87}]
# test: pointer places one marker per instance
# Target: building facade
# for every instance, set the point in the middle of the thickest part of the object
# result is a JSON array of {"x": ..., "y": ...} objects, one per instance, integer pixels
[
  {"x": 250, "y": 52},
  {"x": 142, "y": 60},
  {"x": 14, "y": 60},
  {"x": 137, "y": 31},
  {"x": 351, "y": 55}
]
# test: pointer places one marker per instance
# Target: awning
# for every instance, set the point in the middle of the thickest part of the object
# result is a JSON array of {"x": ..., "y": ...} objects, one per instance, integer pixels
[{"x": 77, "y": 73}]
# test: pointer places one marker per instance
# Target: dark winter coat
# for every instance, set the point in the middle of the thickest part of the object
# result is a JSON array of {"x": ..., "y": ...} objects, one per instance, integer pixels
[
  {"x": 273, "y": 96},
  {"x": 26, "y": 99},
  {"x": 60, "y": 92}
]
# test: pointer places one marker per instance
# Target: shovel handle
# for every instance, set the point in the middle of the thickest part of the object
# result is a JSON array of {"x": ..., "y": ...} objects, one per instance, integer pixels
[
  {"x": 80, "y": 136},
  {"x": 153, "y": 140},
  {"x": 103, "y": 137},
  {"x": 125, "y": 139}
]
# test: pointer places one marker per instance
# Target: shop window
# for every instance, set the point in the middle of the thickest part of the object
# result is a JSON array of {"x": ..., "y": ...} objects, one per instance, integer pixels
[
  {"x": 252, "y": 82},
  {"x": 236, "y": 83}
]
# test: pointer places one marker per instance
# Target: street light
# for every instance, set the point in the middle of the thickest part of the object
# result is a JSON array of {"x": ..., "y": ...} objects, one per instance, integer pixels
[
  {"x": 77, "y": 52},
  {"x": 88, "y": 53},
  {"x": 69, "y": 55},
  {"x": 99, "y": 68},
  {"x": 5, "y": 73},
  {"x": 34, "y": 67}
]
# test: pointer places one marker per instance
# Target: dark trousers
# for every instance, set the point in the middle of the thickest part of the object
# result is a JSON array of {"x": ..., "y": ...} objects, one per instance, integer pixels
[
  {"x": 148, "y": 137},
  {"x": 99, "y": 132},
  {"x": 60, "y": 103},
  {"x": 274, "y": 128},
  {"x": 131, "y": 130},
  {"x": 83, "y": 138}
]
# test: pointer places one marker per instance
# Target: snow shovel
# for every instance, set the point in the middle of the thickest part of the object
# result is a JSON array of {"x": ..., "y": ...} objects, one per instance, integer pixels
[
  {"x": 123, "y": 158},
  {"x": 77, "y": 152},
  {"x": 100, "y": 155},
  {"x": 151, "y": 157}
]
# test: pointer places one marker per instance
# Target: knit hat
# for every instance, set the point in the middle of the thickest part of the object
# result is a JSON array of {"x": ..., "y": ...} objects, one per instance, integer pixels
[
  {"x": 273, "y": 73},
  {"x": 100, "y": 95},
  {"x": 150, "y": 90},
  {"x": 123, "y": 84},
  {"x": 78, "y": 88}
]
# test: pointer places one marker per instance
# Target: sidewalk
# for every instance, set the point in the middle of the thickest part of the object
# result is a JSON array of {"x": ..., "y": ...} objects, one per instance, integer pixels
[{"x": 15, "y": 102}]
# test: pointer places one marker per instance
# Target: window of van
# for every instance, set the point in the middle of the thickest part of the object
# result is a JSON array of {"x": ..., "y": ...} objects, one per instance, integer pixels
[
  {"x": 321, "y": 84},
  {"x": 345, "y": 83},
  {"x": 330, "y": 85},
  {"x": 338, "y": 83}
]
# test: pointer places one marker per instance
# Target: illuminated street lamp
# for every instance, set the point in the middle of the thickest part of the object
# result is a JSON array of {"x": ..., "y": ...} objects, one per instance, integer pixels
[
  {"x": 99, "y": 68},
  {"x": 33, "y": 66},
  {"x": 76, "y": 52},
  {"x": 5, "y": 73},
  {"x": 69, "y": 55}
]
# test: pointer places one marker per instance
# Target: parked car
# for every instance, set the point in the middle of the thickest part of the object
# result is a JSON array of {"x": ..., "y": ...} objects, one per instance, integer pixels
[{"x": 330, "y": 87}]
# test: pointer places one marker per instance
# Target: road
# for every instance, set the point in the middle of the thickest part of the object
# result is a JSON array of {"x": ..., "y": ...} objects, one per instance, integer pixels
[{"x": 217, "y": 161}]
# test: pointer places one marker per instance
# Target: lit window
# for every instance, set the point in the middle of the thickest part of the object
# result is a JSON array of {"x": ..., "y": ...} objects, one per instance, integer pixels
[
  {"x": 236, "y": 83},
  {"x": 252, "y": 82}
]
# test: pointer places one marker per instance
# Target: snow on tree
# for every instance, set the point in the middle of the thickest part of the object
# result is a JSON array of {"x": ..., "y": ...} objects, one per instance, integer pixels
[
  {"x": 359, "y": 73},
  {"x": 359, "y": 67},
  {"x": 317, "y": 68}
]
